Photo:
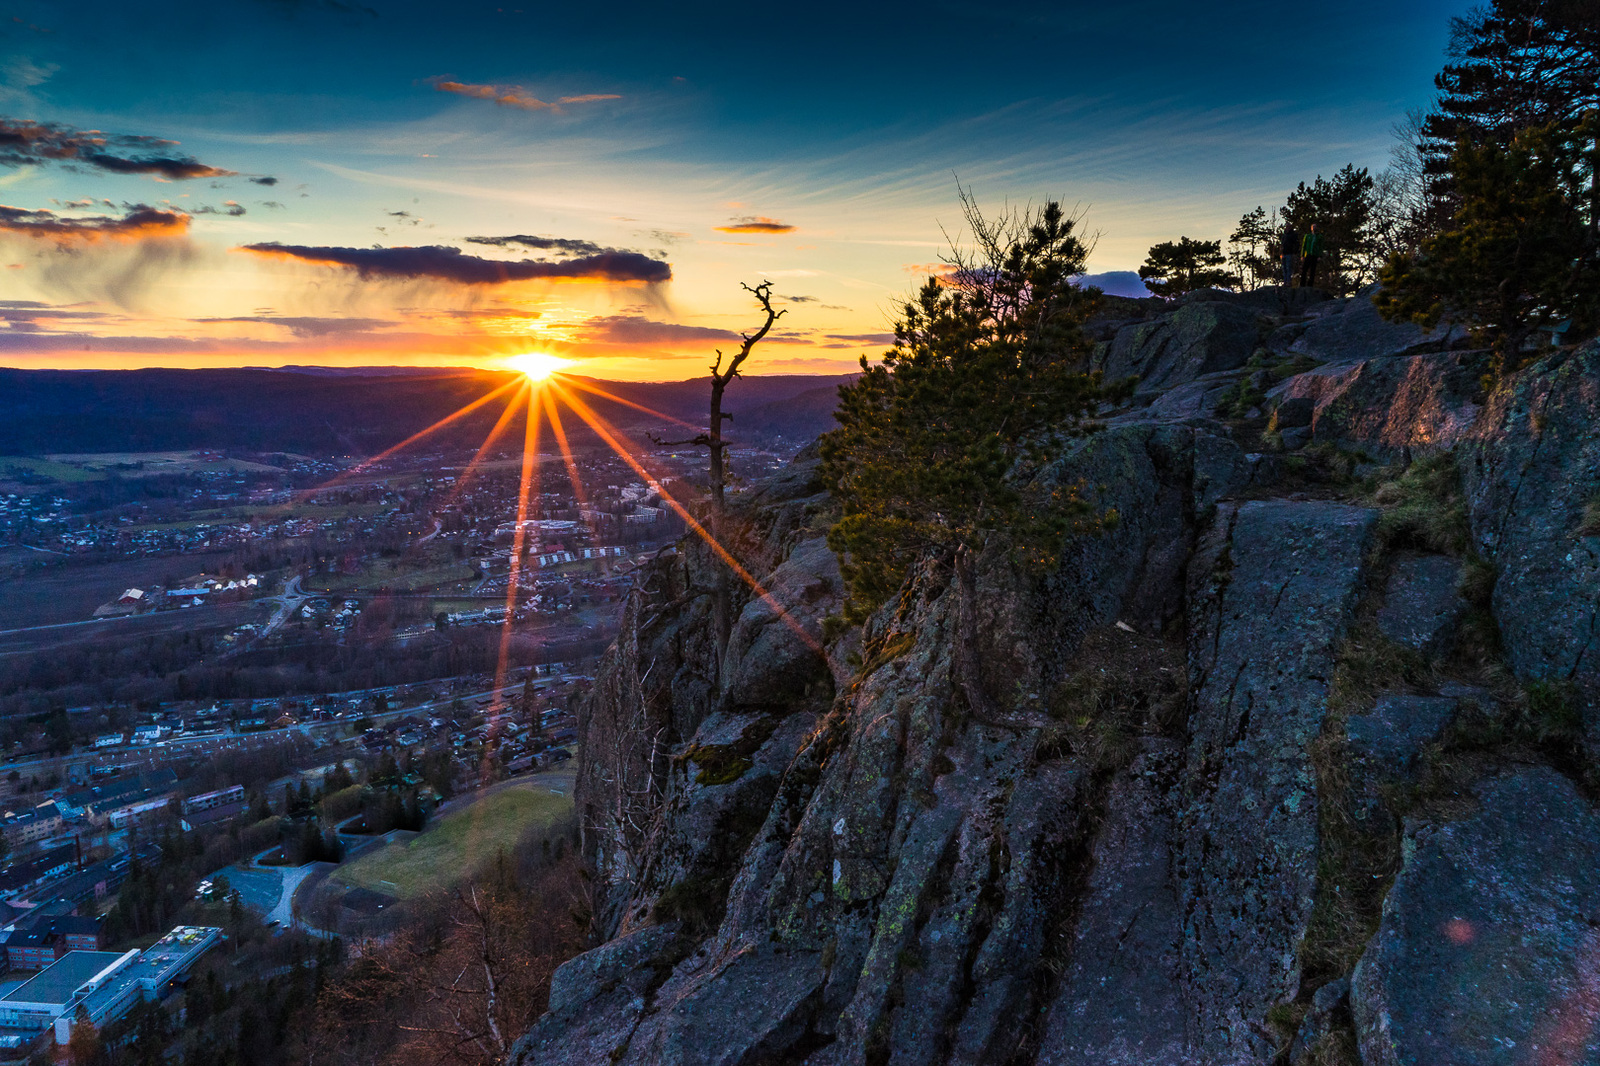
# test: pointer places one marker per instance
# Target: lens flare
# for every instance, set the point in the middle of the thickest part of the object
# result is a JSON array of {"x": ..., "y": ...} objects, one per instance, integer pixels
[{"x": 536, "y": 366}]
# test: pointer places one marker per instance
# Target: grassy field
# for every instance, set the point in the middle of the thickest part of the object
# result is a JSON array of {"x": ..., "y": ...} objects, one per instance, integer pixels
[
  {"x": 71, "y": 591},
  {"x": 460, "y": 843}
]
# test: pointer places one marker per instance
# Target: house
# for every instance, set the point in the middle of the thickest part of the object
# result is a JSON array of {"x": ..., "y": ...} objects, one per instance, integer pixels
[
  {"x": 98, "y": 801},
  {"x": 40, "y": 938},
  {"x": 22, "y": 876},
  {"x": 30, "y": 825},
  {"x": 207, "y": 800}
]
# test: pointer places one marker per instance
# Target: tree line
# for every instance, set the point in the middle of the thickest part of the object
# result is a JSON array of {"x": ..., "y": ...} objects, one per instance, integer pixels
[{"x": 1490, "y": 211}]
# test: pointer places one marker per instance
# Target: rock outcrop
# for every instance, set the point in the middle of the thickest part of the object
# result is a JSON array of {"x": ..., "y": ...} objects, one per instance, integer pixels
[{"x": 811, "y": 846}]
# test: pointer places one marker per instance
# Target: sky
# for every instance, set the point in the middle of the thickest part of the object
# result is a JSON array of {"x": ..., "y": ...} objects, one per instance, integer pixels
[{"x": 359, "y": 182}]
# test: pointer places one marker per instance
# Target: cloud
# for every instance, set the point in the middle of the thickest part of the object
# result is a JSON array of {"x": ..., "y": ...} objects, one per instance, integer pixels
[
  {"x": 451, "y": 264},
  {"x": 19, "y": 75},
  {"x": 1116, "y": 283},
  {"x": 514, "y": 95},
  {"x": 24, "y": 142},
  {"x": 755, "y": 224},
  {"x": 861, "y": 338},
  {"x": 266, "y": 180},
  {"x": 306, "y": 326},
  {"x": 139, "y": 223},
  {"x": 559, "y": 245},
  {"x": 231, "y": 208},
  {"x": 633, "y": 329}
]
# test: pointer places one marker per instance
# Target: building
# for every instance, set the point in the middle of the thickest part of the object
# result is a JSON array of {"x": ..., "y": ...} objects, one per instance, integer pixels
[
  {"x": 21, "y": 876},
  {"x": 41, "y": 938},
  {"x": 207, "y": 800},
  {"x": 140, "y": 812},
  {"x": 31, "y": 825},
  {"x": 104, "y": 983},
  {"x": 97, "y": 802}
]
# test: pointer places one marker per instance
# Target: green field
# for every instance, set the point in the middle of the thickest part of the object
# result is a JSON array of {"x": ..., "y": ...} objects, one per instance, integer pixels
[
  {"x": 460, "y": 843},
  {"x": 48, "y": 468}
]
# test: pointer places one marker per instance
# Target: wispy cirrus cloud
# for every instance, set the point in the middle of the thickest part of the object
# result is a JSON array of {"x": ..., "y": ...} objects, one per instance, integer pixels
[
  {"x": 140, "y": 222},
  {"x": 443, "y": 263},
  {"x": 308, "y": 326},
  {"x": 517, "y": 96},
  {"x": 755, "y": 224},
  {"x": 24, "y": 142},
  {"x": 635, "y": 329}
]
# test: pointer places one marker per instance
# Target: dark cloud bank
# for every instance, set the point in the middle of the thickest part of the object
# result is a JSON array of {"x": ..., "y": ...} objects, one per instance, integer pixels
[{"x": 451, "y": 264}]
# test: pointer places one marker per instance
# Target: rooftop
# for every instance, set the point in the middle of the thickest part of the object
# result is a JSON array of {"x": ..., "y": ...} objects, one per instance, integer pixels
[{"x": 56, "y": 983}]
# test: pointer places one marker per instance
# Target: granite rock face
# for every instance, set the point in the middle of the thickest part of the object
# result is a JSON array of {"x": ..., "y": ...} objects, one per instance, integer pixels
[
  {"x": 1195, "y": 340},
  {"x": 1391, "y": 406},
  {"x": 1489, "y": 951},
  {"x": 1532, "y": 473},
  {"x": 1356, "y": 332},
  {"x": 1092, "y": 814},
  {"x": 1421, "y": 604},
  {"x": 1270, "y": 610}
]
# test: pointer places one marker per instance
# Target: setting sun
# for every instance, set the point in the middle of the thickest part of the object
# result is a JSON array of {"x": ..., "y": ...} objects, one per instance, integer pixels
[{"x": 537, "y": 365}]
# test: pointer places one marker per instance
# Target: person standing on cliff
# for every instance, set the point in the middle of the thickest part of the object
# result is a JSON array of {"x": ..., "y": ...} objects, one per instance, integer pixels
[
  {"x": 1289, "y": 253},
  {"x": 1310, "y": 252}
]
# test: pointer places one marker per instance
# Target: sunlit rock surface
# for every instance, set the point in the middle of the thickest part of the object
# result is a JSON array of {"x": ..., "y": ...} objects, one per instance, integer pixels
[{"x": 809, "y": 847}]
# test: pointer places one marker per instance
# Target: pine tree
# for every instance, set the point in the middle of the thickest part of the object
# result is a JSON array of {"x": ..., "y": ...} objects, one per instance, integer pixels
[
  {"x": 1252, "y": 248},
  {"x": 1175, "y": 267},
  {"x": 1515, "y": 65},
  {"x": 937, "y": 446},
  {"x": 1341, "y": 207},
  {"x": 1518, "y": 257}
]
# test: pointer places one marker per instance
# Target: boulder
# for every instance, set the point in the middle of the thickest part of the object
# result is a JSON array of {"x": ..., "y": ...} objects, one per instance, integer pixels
[
  {"x": 1191, "y": 342},
  {"x": 1421, "y": 607},
  {"x": 748, "y": 1008},
  {"x": 775, "y": 647},
  {"x": 1385, "y": 741},
  {"x": 1530, "y": 471},
  {"x": 578, "y": 981},
  {"x": 1357, "y": 332},
  {"x": 1272, "y": 590},
  {"x": 1489, "y": 949},
  {"x": 1392, "y": 407}
]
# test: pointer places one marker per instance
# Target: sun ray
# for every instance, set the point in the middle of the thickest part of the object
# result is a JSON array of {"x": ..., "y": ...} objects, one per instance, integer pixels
[
  {"x": 527, "y": 500},
  {"x": 470, "y": 470},
  {"x": 560, "y": 433},
  {"x": 586, "y": 387},
  {"x": 609, "y": 435},
  {"x": 366, "y": 464}
]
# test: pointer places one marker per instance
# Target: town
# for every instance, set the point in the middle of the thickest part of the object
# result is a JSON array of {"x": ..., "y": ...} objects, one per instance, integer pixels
[{"x": 235, "y": 688}]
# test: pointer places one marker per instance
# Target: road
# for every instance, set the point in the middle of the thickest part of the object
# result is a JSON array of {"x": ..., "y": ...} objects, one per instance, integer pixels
[{"x": 293, "y": 598}]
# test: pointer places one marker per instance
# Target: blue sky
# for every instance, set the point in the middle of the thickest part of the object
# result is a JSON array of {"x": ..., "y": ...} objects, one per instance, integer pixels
[{"x": 829, "y": 139}]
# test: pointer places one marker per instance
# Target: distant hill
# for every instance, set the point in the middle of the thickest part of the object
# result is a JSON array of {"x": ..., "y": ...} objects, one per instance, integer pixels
[{"x": 322, "y": 411}]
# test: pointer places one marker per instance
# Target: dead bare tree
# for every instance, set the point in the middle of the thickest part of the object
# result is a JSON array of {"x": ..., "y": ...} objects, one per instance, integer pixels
[
  {"x": 721, "y": 377},
  {"x": 717, "y": 446}
]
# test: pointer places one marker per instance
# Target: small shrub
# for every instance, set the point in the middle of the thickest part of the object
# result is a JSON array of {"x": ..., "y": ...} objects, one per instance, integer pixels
[
  {"x": 1553, "y": 713},
  {"x": 1237, "y": 401},
  {"x": 1423, "y": 508},
  {"x": 723, "y": 764}
]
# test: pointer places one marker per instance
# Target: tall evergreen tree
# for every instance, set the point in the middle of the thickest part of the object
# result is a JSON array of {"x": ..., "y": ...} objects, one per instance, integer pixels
[
  {"x": 1341, "y": 207},
  {"x": 1518, "y": 257},
  {"x": 1516, "y": 65},
  {"x": 1173, "y": 268}
]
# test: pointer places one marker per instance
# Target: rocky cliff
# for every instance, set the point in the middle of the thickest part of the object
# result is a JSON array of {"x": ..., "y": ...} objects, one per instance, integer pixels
[{"x": 1291, "y": 765}]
